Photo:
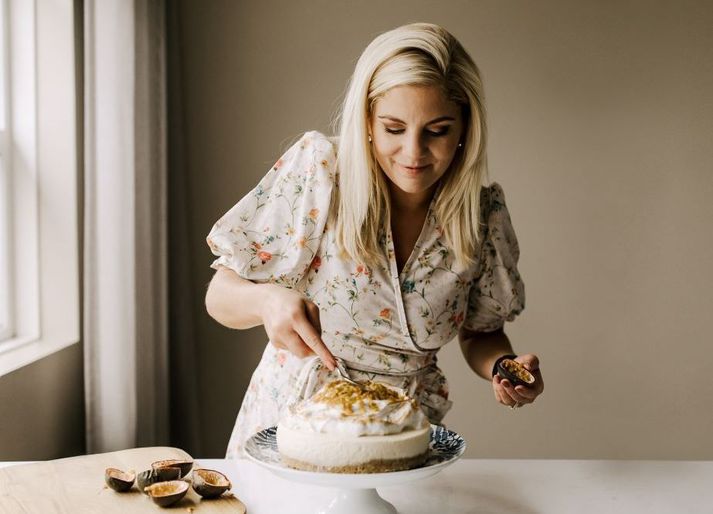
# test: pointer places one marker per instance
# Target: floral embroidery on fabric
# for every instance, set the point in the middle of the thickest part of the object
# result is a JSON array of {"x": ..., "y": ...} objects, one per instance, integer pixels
[{"x": 384, "y": 327}]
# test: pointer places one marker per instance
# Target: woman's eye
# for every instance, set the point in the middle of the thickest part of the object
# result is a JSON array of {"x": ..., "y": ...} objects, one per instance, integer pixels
[
  {"x": 438, "y": 133},
  {"x": 432, "y": 133}
]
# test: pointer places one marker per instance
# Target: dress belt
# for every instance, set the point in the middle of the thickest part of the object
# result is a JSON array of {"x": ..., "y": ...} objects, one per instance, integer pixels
[{"x": 364, "y": 369}]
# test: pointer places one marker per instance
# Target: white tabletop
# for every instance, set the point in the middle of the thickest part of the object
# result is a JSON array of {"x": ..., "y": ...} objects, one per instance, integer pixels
[{"x": 477, "y": 486}]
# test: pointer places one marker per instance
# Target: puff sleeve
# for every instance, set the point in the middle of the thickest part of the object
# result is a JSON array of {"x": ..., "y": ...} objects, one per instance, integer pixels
[
  {"x": 498, "y": 294},
  {"x": 273, "y": 233}
]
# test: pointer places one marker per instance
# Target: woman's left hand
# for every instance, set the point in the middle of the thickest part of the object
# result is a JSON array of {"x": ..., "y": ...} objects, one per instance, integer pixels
[{"x": 517, "y": 396}]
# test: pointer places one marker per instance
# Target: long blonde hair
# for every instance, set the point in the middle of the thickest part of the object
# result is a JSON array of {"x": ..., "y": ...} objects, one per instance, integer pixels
[{"x": 414, "y": 54}]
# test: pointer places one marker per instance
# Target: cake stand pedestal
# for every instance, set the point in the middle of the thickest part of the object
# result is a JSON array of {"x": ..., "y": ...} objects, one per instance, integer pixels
[
  {"x": 357, "y": 501},
  {"x": 356, "y": 493}
]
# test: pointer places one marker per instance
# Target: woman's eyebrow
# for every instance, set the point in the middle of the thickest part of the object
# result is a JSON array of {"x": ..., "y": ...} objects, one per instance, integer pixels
[{"x": 436, "y": 120}]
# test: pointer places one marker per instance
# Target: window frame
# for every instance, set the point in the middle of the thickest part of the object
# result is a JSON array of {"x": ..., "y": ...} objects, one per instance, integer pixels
[
  {"x": 42, "y": 162},
  {"x": 7, "y": 325}
]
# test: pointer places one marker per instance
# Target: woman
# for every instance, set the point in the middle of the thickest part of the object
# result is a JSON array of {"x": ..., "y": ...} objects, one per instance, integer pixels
[{"x": 379, "y": 248}]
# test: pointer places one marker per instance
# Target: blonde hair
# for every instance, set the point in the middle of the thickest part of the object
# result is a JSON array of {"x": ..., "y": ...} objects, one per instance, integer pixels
[{"x": 414, "y": 54}]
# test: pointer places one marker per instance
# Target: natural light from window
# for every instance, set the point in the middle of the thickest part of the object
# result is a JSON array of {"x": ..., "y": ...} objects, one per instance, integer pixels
[
  {"x": 38, "y": 181},
  {"x": 6, "y": 325}
]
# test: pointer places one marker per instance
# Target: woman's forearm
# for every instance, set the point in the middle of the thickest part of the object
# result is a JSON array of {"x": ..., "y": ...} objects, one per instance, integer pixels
[
  {"x": 482, "y": 349},
  {"x": 291, "y": 321},
  {"x": 234, "y": 301}
]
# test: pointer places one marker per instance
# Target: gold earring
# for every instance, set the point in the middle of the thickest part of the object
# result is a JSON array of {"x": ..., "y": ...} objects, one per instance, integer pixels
[{"x": 370, "y": 138}]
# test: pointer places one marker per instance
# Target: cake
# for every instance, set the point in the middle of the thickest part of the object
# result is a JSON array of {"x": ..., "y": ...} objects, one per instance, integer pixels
[{"x": 348, "y": 427}]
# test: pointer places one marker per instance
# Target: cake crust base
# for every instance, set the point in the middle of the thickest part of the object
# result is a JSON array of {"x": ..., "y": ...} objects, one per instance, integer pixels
[{"x": 373, "y": 466}]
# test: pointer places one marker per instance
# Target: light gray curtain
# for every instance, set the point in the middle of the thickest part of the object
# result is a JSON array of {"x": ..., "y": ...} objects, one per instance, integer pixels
[{"x": 125, "y": 274}]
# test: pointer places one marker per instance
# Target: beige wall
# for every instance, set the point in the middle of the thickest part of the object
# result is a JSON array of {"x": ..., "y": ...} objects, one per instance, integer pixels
[
  {"x": 601, "y": 117},
  {"x": 42, "y": 408}
]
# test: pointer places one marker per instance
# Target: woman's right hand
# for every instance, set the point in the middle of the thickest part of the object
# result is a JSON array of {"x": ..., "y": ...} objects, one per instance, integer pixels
[{"x": 292, "y": 323}]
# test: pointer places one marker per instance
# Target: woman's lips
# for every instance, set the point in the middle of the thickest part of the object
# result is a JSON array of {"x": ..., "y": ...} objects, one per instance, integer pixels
[{"x": 414, "y": 168}]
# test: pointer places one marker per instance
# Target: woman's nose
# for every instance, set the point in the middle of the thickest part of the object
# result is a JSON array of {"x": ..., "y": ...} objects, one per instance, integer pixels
[{"x": 413, "y": 148}]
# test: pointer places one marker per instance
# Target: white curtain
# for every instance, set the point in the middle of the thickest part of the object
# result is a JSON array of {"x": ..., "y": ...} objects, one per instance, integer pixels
[{"x": 125, "y": 272}]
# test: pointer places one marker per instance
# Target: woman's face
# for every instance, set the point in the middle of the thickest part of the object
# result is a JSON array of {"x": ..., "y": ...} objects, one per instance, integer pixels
[{"x": 415, "y": 133}]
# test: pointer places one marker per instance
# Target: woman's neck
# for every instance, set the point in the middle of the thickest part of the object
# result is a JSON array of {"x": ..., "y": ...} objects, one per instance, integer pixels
[{"x": 410, "y": 203}]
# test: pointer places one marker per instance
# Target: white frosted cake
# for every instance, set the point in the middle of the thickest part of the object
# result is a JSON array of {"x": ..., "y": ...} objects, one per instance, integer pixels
[{"x": 354, "y": 428}]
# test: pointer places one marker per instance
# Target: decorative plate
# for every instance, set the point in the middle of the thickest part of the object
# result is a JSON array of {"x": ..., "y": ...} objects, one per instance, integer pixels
[{"x": 445, "y": 448}]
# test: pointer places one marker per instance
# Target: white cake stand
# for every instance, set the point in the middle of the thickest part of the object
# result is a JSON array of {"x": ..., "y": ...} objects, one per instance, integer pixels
[{"x": 356, "y": 493}]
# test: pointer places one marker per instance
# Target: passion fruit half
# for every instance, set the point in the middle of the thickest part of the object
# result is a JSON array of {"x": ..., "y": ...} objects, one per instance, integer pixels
[
  {"x": 165, "y": 494},
  {"x": 515, "y": 373},
  {"x": 155, "y": 475},
  {"x": 120, "y": 481},
  {"x": 210, "y": 483},
  {"x": 185, "y": 465}
]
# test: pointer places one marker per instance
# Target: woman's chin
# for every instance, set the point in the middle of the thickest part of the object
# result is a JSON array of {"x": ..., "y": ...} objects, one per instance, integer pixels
[{"x": 415, "y": 187}]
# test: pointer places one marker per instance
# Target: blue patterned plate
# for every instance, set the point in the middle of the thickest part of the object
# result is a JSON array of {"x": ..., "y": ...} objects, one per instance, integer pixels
[{"x": 445, "y": 448}]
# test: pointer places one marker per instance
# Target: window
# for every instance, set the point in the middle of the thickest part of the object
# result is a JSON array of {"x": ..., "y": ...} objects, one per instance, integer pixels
[
  {"x": 6, "y": 286},
  {"x": 39, "y": 252}
]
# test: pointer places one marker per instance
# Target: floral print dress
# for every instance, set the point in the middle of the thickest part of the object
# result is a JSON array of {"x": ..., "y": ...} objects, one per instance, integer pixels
[{"x": 384, "y": 324}]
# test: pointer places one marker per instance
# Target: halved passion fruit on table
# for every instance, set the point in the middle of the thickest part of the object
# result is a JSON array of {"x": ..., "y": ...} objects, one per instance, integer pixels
[
  {"x": 184, "y": 465},
  {"x": 165, "y": 494},
  {"x": 156, "y": 475},
  {"x": 209, "y": 483},
  {"x": 120, "y": 481}
]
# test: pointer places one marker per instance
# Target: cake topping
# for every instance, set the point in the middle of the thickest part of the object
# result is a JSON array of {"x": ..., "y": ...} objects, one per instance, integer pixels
[
  {"x": 357, "y": 397},
  {"x": 368, "y": 408}
]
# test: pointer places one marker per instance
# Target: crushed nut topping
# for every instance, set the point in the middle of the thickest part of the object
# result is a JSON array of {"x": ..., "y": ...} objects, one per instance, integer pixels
[{"x": 352, "y": 396}]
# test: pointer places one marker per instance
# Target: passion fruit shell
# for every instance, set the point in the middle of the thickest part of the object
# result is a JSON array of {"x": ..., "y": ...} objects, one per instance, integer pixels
[
  {"x": 120, "y": 481},
  {"x": 155, "y": 475},
  {"x": 165, "y": 494},
  {"x": 515, "y": 372},
  {"x": 185, "y": 465},
  {"x": 210, "y": 483}
]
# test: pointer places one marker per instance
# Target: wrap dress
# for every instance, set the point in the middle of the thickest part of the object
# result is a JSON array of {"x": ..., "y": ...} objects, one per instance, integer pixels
[{"x": 384, "y": 324}]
